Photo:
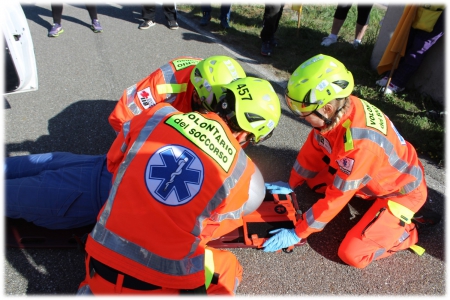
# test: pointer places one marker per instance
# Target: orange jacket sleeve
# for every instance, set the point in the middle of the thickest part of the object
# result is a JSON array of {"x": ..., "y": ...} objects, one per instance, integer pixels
[
  {"x": 120, "y": 146},
  {"x": 136, "y": 99},
  {"x": 115, "y": 154},
  {"x": 121, "y": 113},
  {"x": 308, "y": 157},
  {"x": 339, "y": 193}
]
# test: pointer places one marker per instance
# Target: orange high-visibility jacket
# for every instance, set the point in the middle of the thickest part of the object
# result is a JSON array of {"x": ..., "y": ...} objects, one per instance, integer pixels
[
  {"x": 367, "y": 157},
  {"x": 170, "y": 83},
  {"x": 177, "y": 177}
]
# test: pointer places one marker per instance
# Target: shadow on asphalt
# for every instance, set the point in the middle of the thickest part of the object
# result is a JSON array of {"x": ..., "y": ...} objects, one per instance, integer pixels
[
  {"x": 36, "y": 13},
  {"x": 81, "y": 128},
  {"x": 127, "y": 13},
  {"x": 49, "y": 271},
  {"x": 197, "y": 37}
]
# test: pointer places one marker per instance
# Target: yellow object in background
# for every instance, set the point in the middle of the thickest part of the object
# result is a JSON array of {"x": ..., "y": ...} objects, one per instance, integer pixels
[
  {"x": 397, "y": 45},
  {"x": 426, "y": 19},
  {"x": 298, "y": 8}
]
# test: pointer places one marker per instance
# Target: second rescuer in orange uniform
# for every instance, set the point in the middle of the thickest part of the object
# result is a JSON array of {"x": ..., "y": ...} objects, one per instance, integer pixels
[
  {"x": 178, "y": 178},
  {"x": 353, "y": 150},
  {"x": 174, "y": 83}
]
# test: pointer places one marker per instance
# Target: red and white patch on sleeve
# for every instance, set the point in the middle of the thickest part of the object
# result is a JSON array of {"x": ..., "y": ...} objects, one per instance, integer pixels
[
  {"x": 146, "y": 98},
  {"x": 346, "y": 164},
  {"x": 324, "y": 143}
]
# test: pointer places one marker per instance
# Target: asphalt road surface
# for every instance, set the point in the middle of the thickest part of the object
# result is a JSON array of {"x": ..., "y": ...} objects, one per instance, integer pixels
[{"x": 83, "y": 74}]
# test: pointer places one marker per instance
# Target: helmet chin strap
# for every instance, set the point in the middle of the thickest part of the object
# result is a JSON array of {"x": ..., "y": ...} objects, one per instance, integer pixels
[{"x": 325, "y": 119}]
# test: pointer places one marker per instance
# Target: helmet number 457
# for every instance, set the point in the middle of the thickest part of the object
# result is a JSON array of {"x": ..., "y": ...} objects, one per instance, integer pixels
[{"x": 243, "y": 91}]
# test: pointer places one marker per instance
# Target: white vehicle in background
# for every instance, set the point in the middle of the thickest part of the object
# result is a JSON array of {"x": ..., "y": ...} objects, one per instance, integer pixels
[{"x": 20, "y": 63}]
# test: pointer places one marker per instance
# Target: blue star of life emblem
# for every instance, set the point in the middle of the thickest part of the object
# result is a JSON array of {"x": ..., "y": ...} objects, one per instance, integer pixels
[{"x": 174, "y": 175}]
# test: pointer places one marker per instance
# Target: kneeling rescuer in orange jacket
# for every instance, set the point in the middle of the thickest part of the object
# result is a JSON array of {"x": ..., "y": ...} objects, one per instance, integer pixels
[{"x": 352, "y": 150}]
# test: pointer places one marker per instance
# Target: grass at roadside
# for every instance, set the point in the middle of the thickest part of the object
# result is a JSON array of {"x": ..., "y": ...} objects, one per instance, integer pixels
[{"x": 408, "y": 111}]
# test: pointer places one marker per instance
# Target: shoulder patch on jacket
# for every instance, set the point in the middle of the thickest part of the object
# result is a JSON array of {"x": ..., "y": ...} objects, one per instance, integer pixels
[
  {"x": 180, "y": 64},
  {"x": 374, "y": 117},
  {"x": 346, "y": 164},
  {"x": 146, "y": 98},
  {"x": 324, "y": 143}
]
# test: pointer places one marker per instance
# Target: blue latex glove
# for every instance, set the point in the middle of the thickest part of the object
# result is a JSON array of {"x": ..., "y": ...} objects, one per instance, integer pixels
[
  {"x": 282, "y": 239},
  {"x": 279, "y": 188}
]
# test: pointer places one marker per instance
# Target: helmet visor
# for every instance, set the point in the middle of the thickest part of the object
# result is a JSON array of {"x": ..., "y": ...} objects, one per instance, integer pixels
[{"x": 299, "y": 108}]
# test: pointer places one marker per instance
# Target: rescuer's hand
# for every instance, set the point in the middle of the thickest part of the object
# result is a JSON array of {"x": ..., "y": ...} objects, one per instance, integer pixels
[
  {"x": 282, "y": 239},
  {"x": 279, "y": 188}
]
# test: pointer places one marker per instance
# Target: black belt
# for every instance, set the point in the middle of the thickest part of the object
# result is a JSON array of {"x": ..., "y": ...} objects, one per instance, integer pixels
[{"x": 110, "y": 274}]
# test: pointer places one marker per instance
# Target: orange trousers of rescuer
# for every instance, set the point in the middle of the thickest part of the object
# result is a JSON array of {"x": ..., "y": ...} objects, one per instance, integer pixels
[
  {"x": 379, "y": 233},
  {"x": 226, "y": 278}
]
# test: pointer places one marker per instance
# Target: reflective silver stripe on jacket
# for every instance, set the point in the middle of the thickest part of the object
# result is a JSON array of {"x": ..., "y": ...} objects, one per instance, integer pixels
[
  {"x": 217, "y": 199},
  {"x": 348, "y": 185},
  {"x": 378, "y": 253},
  {"x": 131, "y": 93},
  {"x": 144, "y": 257},
  {"x": 236, "y": 285},
  {"x": 84, "y": 290},
  {"x": 125, "y": 130},
  {"x": 222, "y": 193},
  {"x": 404, "y": 236},
  {"x": 305, "y": 173},
  {"x": 407, "y": 188},
  {"x": 169, "y": 77},
  {"x": 312, "y": 223},
  {"x": 394, "y": 161}
]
